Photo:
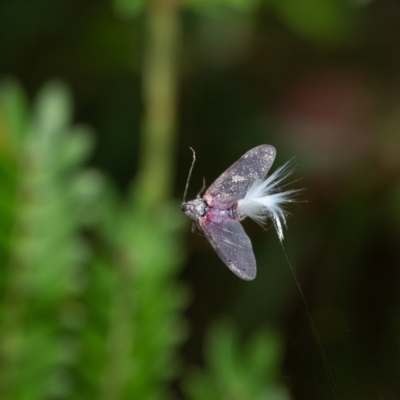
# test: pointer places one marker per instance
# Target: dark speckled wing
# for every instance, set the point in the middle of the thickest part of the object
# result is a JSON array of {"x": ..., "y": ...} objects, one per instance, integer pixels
[
  {"x": 233, "y": 184},
  {"x": 233, "y": 246}
]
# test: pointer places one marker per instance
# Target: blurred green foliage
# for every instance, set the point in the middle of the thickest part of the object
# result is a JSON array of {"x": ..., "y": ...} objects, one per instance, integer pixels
[
  {"x": 88, "y": 307},
  {"x": 238, "y": 372},
  {"x": 322, "y": 21},
  {"x": 44, "y": 254},
  {"x": 129, "y": 8}
]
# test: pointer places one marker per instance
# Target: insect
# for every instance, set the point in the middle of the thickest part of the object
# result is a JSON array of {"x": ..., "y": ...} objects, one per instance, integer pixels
[{"x": 243, "y": 190}]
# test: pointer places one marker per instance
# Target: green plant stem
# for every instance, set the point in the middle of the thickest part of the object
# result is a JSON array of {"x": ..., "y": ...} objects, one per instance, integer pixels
[{"x": 159, "y": 96}]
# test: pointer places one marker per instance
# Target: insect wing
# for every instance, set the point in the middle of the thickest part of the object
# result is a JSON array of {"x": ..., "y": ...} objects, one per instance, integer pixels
[
  {"x": 232, "y": 245},
  {"x": 233, "y": 184}
]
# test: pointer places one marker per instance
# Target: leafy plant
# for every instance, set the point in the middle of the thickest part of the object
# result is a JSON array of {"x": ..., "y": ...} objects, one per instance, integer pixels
[
  {"x": 237, "y": 371},
  {"x": 89, "y": 308}
]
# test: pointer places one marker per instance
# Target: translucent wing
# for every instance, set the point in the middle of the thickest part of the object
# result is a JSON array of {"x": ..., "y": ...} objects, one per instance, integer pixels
[
  {"x": 233, "y": 184},
  {"x": 232, "y": 245}
]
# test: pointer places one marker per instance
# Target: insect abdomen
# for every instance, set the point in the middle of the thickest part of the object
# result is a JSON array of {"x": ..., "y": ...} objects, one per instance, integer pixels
[{"x": 219, "y": 214}]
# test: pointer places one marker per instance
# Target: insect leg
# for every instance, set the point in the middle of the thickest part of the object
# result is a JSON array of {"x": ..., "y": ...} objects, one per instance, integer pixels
[{"x": 202, "y": 188}]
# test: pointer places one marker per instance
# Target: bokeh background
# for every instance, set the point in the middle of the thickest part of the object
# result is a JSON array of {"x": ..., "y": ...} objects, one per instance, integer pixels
[{"x": 105, "y": 292}]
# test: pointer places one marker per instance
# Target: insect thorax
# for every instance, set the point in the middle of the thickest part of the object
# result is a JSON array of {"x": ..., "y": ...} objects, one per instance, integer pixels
[{"x": 198, "y": 208}]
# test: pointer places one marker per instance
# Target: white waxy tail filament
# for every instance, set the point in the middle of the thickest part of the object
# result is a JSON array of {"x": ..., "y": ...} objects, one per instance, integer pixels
[{"x": 264, "y": 199}]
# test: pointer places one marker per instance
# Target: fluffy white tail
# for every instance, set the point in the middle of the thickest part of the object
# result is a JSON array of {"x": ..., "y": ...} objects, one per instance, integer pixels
[{"x": 264, "y": 199}]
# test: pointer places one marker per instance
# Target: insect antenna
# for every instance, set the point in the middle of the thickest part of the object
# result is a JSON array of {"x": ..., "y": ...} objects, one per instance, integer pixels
[{"x": 190, "y": 174}]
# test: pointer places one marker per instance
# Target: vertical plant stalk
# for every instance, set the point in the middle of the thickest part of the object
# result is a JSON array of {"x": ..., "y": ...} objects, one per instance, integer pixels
[
  {"x": 153, "y": 186},
  {"x": 159, "y": 97}
]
